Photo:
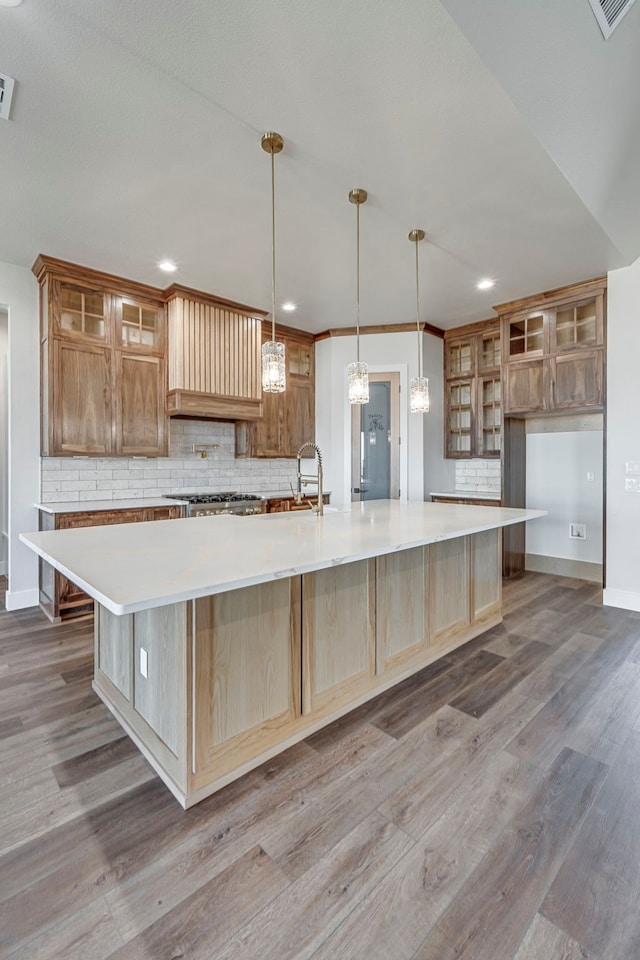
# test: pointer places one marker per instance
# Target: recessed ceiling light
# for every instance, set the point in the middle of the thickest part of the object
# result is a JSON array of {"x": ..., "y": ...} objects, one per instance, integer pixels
[
  {"x": 288, "y": 306},
  {"x": 485, "y": 284},
  {"x": 168, "y": 266}
]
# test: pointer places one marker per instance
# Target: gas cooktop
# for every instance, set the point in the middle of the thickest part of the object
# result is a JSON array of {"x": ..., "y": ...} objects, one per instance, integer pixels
[{"x": 230, "y": 496}]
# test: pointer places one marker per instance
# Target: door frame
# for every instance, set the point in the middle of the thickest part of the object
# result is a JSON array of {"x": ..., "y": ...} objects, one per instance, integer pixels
[{"x": 393, "y": 378}]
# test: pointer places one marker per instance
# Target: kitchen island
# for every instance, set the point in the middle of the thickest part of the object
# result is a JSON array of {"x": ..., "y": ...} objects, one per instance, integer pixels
[{"x": 221, "y": 641}]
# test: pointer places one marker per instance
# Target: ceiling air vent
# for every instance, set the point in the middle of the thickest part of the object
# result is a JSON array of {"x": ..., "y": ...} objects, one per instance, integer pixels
[
  {"x": 609, "y": 13},
  {"x": 6, "y": 92}
]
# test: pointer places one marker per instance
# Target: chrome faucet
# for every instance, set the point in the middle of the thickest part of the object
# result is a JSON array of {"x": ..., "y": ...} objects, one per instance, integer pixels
[{"x": 305, "y": 478}]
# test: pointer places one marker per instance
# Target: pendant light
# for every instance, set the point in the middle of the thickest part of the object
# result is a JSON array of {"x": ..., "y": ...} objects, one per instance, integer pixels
[
  {"x": 273, "y": 365},
  {"x": 357, "y": 372},
  {"x": 418, "y": 386}
]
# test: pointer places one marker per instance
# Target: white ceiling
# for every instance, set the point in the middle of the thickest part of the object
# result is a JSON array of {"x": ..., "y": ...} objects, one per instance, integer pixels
[{"x": 135, "y": 135}]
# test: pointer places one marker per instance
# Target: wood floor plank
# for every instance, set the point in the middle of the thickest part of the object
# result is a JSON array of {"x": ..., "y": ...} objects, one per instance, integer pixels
[
  {"x": 10, "y": 726},
  {"x": 422, "y": 884},
  {"x": 200, "y": 925},
  {"x": 29, "y": 820},
  {"x": 88, "y": 764},
  {"x": 549, "y": 730},
  {"x": 544, "y": 940},
  {"x": 594, "y": 898},
  {"x": 95, "y": 851},
  {"x": 296, "y": 922},
  {"x": 421, "y": 800},
  {"x": 485, "y": 691},
  {"x": 401, "y": 716},
  {"x": 89, "y": 934},
  {"x": 232, "y": 822},
  {"x": 498, "y": 902}
]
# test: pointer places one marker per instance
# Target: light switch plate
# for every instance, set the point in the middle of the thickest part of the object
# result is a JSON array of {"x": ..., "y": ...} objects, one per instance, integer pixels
[
  {"x": 144, "y": 663},
  {"x": 577, "y": 531}
]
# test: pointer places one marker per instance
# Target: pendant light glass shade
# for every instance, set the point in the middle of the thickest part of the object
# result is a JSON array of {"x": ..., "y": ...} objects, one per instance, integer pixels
[
  {"x": 358, "y": 378},
  {"x": 418, "y": 386},
  {"x": 274, "y": 376},
  {"x": 419, "y": 394},
  {"x": 358, "y": 371}
]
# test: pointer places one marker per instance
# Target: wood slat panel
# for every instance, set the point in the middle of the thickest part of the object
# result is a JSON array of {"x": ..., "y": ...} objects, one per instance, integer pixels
[{"x": 213, "y": 349}]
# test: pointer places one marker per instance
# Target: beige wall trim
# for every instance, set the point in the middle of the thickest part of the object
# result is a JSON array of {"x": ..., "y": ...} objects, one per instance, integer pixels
[{"x": 561, "y": 567}]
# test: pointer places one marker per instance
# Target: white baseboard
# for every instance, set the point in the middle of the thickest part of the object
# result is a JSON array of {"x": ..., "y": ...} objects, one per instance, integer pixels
[
  {"x": 561, "y": 567},
  {"x": 625, "y": 599},
  {"x": 20, "y": 599}
]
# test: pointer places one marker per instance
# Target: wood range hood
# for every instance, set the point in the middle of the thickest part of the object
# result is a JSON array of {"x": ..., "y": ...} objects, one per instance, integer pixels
[{"x": 214, "y": 354}]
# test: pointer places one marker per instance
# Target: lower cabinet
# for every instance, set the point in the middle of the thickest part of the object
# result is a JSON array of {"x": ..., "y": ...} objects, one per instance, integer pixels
[
  {"x": 285, "y": 504},
  {"x": 212, "y": 687},
  {"x": 338, "y": 634},
  {"x": 246, "y": 657},
  {"x": 60, "y": 598}
]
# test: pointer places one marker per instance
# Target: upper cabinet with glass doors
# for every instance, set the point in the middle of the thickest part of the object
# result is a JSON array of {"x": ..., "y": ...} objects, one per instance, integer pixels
[
  {"x": 554, "y": 350},
  {"x": 103, "y": 364},
  {"x": 473, "y": 391}
]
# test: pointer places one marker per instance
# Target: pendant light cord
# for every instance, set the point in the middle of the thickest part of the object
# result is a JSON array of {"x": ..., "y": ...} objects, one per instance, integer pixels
[
  {"x": 273, "y": 247},
  {"x": 418, "y": 313},
  {"x": 358, "y": 282}
]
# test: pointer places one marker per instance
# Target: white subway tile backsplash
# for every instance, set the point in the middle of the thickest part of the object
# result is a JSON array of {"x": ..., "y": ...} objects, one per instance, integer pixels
[
  {"x": 70, "y": 479},
  {"x": 478, "y": 475}
]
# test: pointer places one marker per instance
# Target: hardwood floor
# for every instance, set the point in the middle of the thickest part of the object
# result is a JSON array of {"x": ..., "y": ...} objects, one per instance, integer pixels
[{"x": 485, "y": 808}]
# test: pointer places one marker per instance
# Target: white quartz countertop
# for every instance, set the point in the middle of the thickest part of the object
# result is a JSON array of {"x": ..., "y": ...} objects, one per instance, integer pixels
[
  {"x": 469, "y": 494},
  {"x": 136, "y": 566},
  {"x": 88, "y": 506}
]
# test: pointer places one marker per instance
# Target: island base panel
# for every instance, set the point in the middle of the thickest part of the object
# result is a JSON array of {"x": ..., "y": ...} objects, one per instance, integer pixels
[{"x": 237, "y": 671}]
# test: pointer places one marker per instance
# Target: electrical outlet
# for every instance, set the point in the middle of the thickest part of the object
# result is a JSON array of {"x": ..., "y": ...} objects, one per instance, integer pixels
[
  {"x": 591, "y": 476},
  {"x": 577, "y": 531},
  {"x": 144, "y": 663}
]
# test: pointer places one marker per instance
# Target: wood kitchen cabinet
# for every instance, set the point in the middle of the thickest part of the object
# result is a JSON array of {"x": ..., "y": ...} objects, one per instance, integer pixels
[
  {"x": 473, "y": 391},
  {"x": 288, "y": 418},
  {"x": 554, "y": 350},
  {"x": 288, "y": 504},
  {"x": 60, "y": 598},
  {"x": 103, "y": 364}
]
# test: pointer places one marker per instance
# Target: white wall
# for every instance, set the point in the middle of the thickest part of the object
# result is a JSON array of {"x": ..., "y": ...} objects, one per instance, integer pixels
[
  {"x": 557, "y": 467},
  {"x": 19, "y": 294},
  {"x": 623, "y": 438},
  {"x": 4, "y": 451},
  {"x": 384, "y": 352}
]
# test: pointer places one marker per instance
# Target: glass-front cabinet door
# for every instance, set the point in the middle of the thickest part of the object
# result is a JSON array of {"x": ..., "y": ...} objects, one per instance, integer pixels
[
  {"x": 460, "y": 410},
  {"x": 489, "y": 352},
  {"x": 527, "y": 335},
  {"x": 460, "y": 358},
  {"x": 490, "y": 416},
  {"x": 578, "y": 325},
  {"x": 140, "y": 326},
  {"x": 81, "y": 313}
]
